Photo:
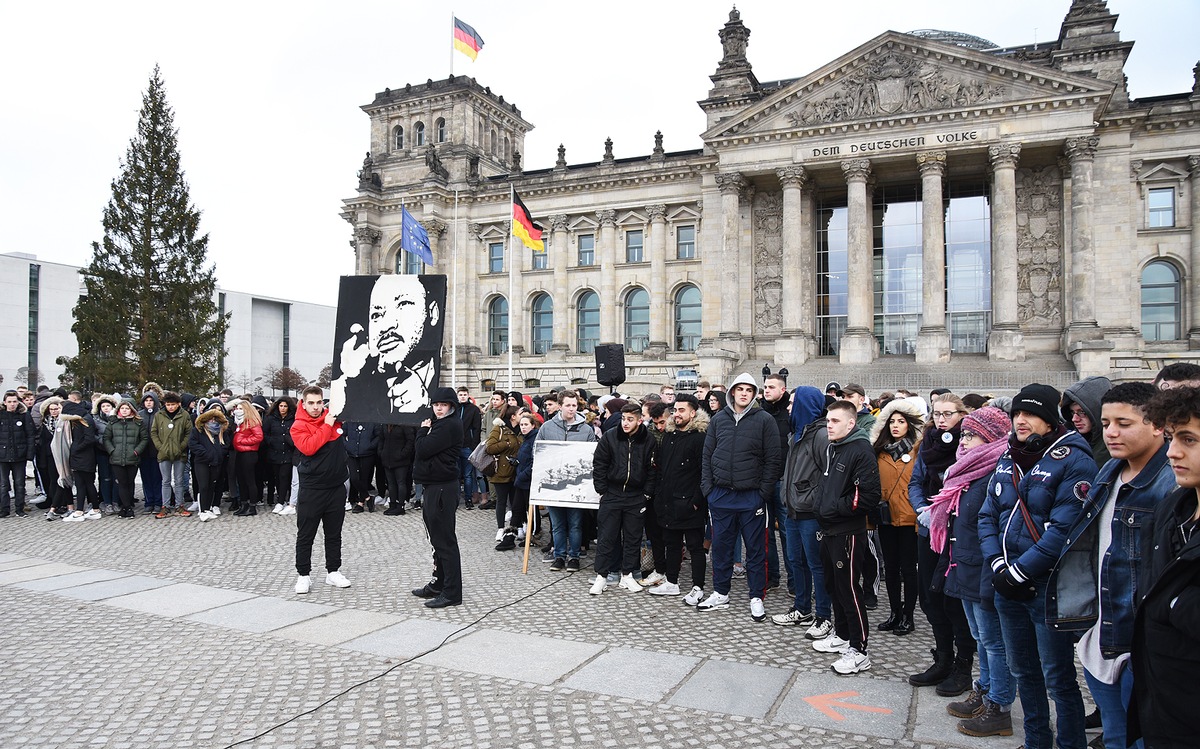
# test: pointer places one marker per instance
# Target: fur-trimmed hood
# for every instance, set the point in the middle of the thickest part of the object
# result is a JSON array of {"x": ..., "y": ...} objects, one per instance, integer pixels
[
  {"x": 910, "y": 411},
  {"x": 699, "y": 423},
  {"x": 114, "y": 400},
  {"x": 152, "y": 387},
  {"x": 47, "y": 403},
  {"x": 212, "y": 415}
]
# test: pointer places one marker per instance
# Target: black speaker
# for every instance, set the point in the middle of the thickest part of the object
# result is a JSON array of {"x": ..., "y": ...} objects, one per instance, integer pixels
[{"x": 610, "y": 364}]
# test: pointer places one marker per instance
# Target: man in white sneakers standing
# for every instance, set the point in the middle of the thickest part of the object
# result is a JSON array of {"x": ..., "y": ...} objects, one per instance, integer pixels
[{"x": 321, "y": 500}]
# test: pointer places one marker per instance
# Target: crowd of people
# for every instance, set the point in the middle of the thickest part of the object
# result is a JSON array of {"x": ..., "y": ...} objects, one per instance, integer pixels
[{"x": 1034, "y": 532}]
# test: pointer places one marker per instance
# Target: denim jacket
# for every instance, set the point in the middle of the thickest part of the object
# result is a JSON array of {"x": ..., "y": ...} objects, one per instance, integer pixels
[{"x": 1071, "y": 595}]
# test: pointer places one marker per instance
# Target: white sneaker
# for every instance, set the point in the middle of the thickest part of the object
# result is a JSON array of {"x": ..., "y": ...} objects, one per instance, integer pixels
[
  {"x": 93, "y": 514},
  {"x": 500, "y": 534},
  {"x": 629, "y": 584},
  {"x": 599, "y": 585},
  {"x": 793, "y": 618},
  {"x": 665, "y": 589},
  {"x": 851, "y": 662},
  {"x": 337, "y": 580},
  {"x": 288, "y": 510},
  {"x": 277, "y": 509},
  {"x": 757, "y": 612},
  {"x": 831, "y": 644},
  {"x": 693, "y": 598},
  {"x": 348, "y": 507},
  {"x": 74, "y": 517},
  {"x": 194, "y": 506},
  {"x": 714, "y": 602},
  {"x": 521, "y": 533},
  {"x": 507, "y": 518},
  {"x": 820, "y": 629},
  {"x": 303, "y": 584},
  {"x": 216, "y": 511},
  {"x": 206, "y": 516},
  {"x": 654, "y": 578}
]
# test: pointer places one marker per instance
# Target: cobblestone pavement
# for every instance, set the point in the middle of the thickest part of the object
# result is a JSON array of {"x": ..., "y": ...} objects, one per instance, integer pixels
[{"x": 173, "y": 633}]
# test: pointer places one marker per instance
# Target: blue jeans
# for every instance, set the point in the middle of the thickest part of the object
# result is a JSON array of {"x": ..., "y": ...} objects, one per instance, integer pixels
[
  {"x": 466, "y": 472},
  {"x": 1113, "y": 701},
  {"x": 805, "y": 569},
  {"x": 1042, "y": 661},
  {"x": 994, "y": 675},
  {"x": 566, "y": 528}
]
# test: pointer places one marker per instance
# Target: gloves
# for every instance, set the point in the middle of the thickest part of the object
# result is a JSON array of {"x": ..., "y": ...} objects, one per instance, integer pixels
[
  {"x": 923, "y": 518},
  {"x": 1009, "y": 583}
]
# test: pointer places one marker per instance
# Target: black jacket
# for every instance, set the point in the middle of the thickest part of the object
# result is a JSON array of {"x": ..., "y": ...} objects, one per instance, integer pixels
[
  {"x": 779, "y": 412},
  {"x": 83, "y": 437},
  {"x": 208, "y": 449},
  {"x": 396, "y": 443},
  {"x": 1166, "y": 630},
  {"x": 849, "y": 485},
  {"x": 17, "y": 434},
  {"x": 438, "y": 450},
  {"x": 678, "y": 501},
  {"x": 742, "y": 454},
  {"x": 623, "y": 466},
  {"x": 277, "y": 438},
  {"x": 472, "y": 422},
  {"x": 361, "y": 439}
]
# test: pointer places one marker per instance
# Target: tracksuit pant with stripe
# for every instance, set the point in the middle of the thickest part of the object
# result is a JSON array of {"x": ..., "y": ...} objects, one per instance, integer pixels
[{"x": 843, "y": 557}]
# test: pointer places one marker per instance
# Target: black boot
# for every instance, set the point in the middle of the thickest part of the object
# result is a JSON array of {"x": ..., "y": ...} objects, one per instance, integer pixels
[
  {"x": 243, "y": 510},
  {"x": 395, "y": 508},
  {"x": 959, "y": 680},
  {"x": 508, "y": 541},
  {"x": 905, "y": 626},
  {"x": 943, "y": 663},
  {"x": 887, "y": 625},
  {"x": 252, "y": 510}
]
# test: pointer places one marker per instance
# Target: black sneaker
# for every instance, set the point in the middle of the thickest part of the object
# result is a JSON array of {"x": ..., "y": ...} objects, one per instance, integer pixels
[
  {"x": 572, "y": 565},
  {"x": 558, "y": 565}
]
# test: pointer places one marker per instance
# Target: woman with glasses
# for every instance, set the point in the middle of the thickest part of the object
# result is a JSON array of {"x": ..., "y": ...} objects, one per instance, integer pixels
[{"x": 937, "y": 453}]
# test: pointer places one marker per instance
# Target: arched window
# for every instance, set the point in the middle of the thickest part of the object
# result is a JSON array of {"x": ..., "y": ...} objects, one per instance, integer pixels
[
  {"x": 587, "y": 322},
  {"x": 1162, "y": 311},
  {"x": 440, "y": 129},
  {"x": 398, "y": 137},
  {"x": 542, "y": 323},
  {"x": 637, "y": 320},
  {"x": 492, "y": 143},
  {"x": 498, "y": 326},
  {"x": 507, "y": 149},
  {"x": 687, "y": 318},
  {"x": 419, "y": 130}
]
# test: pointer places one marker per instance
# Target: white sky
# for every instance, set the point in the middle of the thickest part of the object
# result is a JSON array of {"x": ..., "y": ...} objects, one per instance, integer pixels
[{"x": 267, "y": 95}]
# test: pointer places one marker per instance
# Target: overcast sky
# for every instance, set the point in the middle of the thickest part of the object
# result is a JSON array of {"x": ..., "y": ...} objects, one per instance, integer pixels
[{"x": 267, "y": 95}]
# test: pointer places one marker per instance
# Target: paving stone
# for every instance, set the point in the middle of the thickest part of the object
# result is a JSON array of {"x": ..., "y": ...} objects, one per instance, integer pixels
[
  {"x": 638, "y": 674},
  {"x": 7, "y": 560},
  {"x": 37, "y": 572},
  {"x": 260, "y": 614},
  {"x": 110, "y": 588},
  {"x": 337, "y": 627},
  {"x": 936, "y": 725},
  {"x": 533, "y": 658},
  {"x": 180, "y": 599},
  {"x": 71, "y": 580},
  {"x": 847, "y": 703},
  {"x": 405, "y": 639},
  {"x": 735, "y": 688}
]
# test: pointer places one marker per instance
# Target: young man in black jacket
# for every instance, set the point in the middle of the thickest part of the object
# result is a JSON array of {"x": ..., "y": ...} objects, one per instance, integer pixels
[
  {"x": 317, "y": 435},
  {"x": 472, "y": 424},
  {"x": 679, "y": 505},
  {"x": 623, "y": 474},
  {"x": 439, "y": 442},
  {"x": 849, "y": 490}
]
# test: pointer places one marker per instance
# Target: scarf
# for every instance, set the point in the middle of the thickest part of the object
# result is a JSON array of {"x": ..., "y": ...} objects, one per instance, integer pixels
[
  {"x": 899, "y": 448},
  {"x": 1026, "y": 454},
  {"x": 213, "y": 427},
  {"x": 971, "y": 466},
  {"x": 938, "y": 456},
  {"x": 60, "y": 449}
]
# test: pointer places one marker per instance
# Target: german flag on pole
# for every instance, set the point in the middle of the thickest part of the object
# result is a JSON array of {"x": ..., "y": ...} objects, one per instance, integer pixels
[
  {"x": 523, "y": 227},
  {"x": 466, "y": 40}
]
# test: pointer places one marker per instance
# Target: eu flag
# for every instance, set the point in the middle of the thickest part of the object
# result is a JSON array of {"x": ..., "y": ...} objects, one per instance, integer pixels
[{"x": 414, "y": 238}]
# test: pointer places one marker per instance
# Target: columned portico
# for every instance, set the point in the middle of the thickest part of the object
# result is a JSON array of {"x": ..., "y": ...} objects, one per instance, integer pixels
[
  {"x": 797, "y": 343},
  {"x": 1005, "y": 342},
  {"x": 731, "y": 185},
  {"x": 606, "y": 256},
  {"x": 562, "y": 305},
  {"x": 660, "y": 305},
  {"x": 858, "y": 345},
  {"x": 933, "y": 339}
]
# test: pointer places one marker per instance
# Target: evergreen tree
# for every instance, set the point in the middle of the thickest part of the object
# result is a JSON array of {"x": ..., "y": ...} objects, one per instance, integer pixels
[{"x": 149, "y": 312}]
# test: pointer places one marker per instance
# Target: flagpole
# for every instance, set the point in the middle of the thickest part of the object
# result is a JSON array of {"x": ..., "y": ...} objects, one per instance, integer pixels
[
  {"x": 451, "y": 42},
  {"x": 454, "y": 330},
  {"x": 511, "y": 262}
]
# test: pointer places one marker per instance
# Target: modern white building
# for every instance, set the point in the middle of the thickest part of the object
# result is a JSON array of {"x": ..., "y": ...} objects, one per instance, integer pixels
[{"x": 37, "y": 299}]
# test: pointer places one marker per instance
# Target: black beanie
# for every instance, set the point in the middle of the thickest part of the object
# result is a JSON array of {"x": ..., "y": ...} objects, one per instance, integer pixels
[{"x": 1039, "y": 400}]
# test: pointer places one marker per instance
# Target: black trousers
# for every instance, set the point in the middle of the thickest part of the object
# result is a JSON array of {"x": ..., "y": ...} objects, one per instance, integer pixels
[
  {"x": 85, "y": 489},
  {"x": 124, "y": 476},
  {"x": 843, "y": 557},
  {"x": 437, "y": 510},
  {"x": 945, "y": 613},
  {"x": 619, "y": 543},
  {"x": 505, "y": 496},
  {"x": 316, "y": 508},
  {"x": 400, "y": 485},
  {"x": 281, "y": 478},
  {"x": 900, "y": 566},
  {"x": 15, "y": 470},
  {"x": 245, "y": 464},
  {"x": 205, "y": 477},
  {"x": 362, "y": 469},
  {"x": 654, "y": 533},
  {"x": 673, "y": 543}
]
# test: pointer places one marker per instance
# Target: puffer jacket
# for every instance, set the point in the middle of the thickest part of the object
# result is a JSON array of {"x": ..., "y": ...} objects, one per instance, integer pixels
[
  {"x": 678, "y": 501},
  {"x": 623, "y": 466},
  {"x": 504, "y": 443},
  {"x": 247, "y": 439},
  {"x": 742, "y": 453},
  {"x": 1053, "y": 490},
  {"x": 361, "y": 439},
  {"x": 1087, "y": 394},
  {"x": 169, "y": 433},
  {"x": 205, "y": 448},
  {"x": 83, "y": 437},
  {"x": 17, "y": 434},
  {"x": 277, "y": 436},
  {"x": 524, "y": 477},
  {"x": 849, "y": 488},
  {"x": 125, "y": 440},
  {"x": 964, "y": 577},
  {"x": 151, "y": 390}
]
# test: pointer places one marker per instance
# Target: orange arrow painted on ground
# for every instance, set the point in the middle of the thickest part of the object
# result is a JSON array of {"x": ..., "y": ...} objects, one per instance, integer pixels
[{"x": 826, "y": 702}]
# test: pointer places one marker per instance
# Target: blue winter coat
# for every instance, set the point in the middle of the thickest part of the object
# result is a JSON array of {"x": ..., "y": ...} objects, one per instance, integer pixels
[
  {"x": 742, "y": 454},
  {"x": 965, "y": 579},
  {"x": 524, "y": 479},
  {"x": 361, "y": 439}
]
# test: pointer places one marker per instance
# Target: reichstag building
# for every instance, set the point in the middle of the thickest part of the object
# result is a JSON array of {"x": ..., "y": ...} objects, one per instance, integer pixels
[{"x": 927, "y": 208}]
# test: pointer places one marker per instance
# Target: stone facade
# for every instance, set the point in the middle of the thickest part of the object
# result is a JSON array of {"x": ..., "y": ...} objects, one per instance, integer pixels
[{"x": 1085, "y": 188}]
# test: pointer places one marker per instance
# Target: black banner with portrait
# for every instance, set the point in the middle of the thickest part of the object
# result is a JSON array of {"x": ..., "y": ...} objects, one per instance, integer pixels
[{"x": 387, "y": 349}]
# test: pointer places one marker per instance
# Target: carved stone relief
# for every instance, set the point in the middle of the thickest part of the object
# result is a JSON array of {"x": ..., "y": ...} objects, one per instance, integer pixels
[
  {"x": 768, "y": 262},
  {"x": 896, "y": 84},
  {"x": 1039, "y": 247}
]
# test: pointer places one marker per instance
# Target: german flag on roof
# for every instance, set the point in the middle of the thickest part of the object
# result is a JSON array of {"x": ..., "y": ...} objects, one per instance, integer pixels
[
  {"x": 466, "y": 39},
  {"x": 523, "y": 227}
]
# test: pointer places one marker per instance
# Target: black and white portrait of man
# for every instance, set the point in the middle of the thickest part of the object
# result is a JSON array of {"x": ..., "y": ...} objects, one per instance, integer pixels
[{"x": 388, "y": 347}]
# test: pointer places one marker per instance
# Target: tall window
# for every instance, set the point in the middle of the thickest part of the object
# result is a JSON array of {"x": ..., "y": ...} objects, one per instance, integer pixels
[
  {"x": 496, "y": 257},
  {"x": 968, "y": 268},
  {"x": 398, "y": 137},
  {"x": 897, "y": 268},
  {"x": 685, "y": 242},
  {"x": 419, "y": 129},
  {"x": 587, "y": 322},
  {"x": 637, "y": 320},
  {"x": 832, "y": 276},
  {"x": 542, "y": 323},
  {"x": 35, "y": 285},
  {"x": 1161, "y": 202},
  {"x": 633, "y": 246},
  {"x": 498, "y": 326},
  {"x": 540, "y": 261},
  {"x": 1162, "y": 318},
  {"x": 687, "y": 318},
  {"x": 587, "y": 249},
  {"x": 409, "y": 264},
  {"x": 440, "y": 129}
]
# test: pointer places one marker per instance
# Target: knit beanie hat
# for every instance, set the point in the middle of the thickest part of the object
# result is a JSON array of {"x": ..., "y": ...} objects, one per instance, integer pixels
[
  {"x": 1039, "y": 400},
  {"x": 989, "y": 423}
]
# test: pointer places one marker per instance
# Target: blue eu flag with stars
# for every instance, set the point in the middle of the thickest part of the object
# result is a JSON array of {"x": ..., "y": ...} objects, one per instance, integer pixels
[{"x": 414, "y": 238}]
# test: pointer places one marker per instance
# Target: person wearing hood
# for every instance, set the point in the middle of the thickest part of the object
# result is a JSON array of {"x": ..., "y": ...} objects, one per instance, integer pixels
[
  {"x": 1035, "y": 494},
  {"x": 104, "y": 411},
  {"x": 321, "y": 504},
  {"x": 17, "y": 446},
  {"x": 169, "y": 432},
  {"x": 277, "y": 439},
  {"x": 679, "y": 504},
  {"x": 209, "y": 445},
  {"x": 895, "y": 436},
  {"x": 738, "y": 473},
  {"x": 439, "y": 441},
  {"x": 125, "y": 441},
  {"x": 566, "y": 523},
  {"x": 1081, "y": 408},
  {"x": 55, "y": 473},
  {"x": 849, "y": 491},
  {"x": 152, "y": 492},
  {"x": 713, "y": 402}
]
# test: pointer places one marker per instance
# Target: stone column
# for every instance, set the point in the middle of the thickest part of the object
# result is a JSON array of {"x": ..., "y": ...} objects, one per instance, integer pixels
[
  {"x": 1081, "y": 152},
  {"x": 436, "y": 229},
  {"x": 661, "y": 306},
  {"x": 610, "y": 306},
  {"x": 1193, "y": 273},
  {"x": 560, "y": 258},
  {"x": 933, "y": 339},
  {"x": 475, "y": 331},
  {"x": 366, "y": 239},
  {"x": 858, "y": 345},
  {"x": 794, "y": 344},
  {"x": 731, "y": 185},
  {"x": 1005, "y": 341}
]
